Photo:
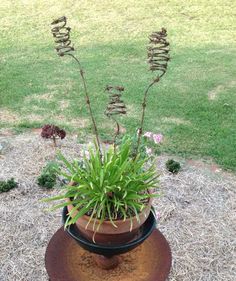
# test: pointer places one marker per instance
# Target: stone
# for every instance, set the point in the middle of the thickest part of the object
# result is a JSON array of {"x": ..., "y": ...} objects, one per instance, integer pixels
[{"x": 4, "y": 146}]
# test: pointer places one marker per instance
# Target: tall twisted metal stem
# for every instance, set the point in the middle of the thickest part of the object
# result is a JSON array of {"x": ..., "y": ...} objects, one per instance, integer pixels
[
  {"x": 61, "y": 33},
  {"x": 158, "y": 57},
  {"x": 88, "y": 104}
]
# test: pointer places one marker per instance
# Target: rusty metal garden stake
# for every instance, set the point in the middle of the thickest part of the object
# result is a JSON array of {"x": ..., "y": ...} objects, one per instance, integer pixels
[
  {"x": 158, "y": 57},
  {"x": 61, "y": 33}
]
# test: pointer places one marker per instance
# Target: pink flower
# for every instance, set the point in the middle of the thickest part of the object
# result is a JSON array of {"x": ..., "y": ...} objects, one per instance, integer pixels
[
  {"x": 148, "y": 134},
  {"x": 87, "y": 154},
  {"x": 157, "y": 138},
  {"x": 148, "y": 150},
  {"x": 158, "y": 215}
]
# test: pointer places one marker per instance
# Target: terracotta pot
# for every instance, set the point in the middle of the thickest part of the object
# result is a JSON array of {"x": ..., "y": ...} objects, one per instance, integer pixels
[{"x": 107, "y": 233}]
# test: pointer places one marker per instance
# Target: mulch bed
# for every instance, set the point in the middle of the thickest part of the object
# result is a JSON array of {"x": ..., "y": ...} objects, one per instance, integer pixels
[{"x": 197, "y": 215}]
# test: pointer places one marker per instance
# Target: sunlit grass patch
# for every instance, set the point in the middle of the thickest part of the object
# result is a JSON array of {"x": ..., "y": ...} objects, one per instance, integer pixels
[{"x": 193, "y": 107}]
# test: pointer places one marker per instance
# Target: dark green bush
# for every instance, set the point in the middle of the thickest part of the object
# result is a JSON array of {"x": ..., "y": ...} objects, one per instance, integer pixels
[
  {"x": 173, "y": 166},
  {"x": 7, "y": 185},
  {"x": 48, "y": 178}
]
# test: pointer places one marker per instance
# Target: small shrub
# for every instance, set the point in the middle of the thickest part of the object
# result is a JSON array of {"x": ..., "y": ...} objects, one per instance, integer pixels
[
  {"x": 7, "y": 185},
  {"x": 173, "y": 166},
  {"x": 52, "y": 132},
  {"x": 48, "y": 178}
]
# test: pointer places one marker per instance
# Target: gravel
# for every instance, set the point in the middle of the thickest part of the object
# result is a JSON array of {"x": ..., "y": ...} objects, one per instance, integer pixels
[{"x": 197, "y": 215}]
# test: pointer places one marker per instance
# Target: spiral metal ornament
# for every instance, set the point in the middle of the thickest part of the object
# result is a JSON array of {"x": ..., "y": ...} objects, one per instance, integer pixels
[
  {"x": 158, "y": 52},
  {"x": 158, "y": 57},
  {"x": 61, "y": 33},
  {"x": 115, "y": 106}
]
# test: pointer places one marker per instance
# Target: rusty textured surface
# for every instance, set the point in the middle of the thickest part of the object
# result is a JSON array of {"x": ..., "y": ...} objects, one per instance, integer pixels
[
  {"x": 61, "y": 34},
  {"x": 158, "y": 52},
  {"x": 116, "y": 105},
  {"x": 158, "y": 57},
  {"x": 66, "y": 261}
]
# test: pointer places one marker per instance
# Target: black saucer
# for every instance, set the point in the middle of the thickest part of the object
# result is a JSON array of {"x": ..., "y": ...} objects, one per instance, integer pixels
[{"x": 111, "y": 250}]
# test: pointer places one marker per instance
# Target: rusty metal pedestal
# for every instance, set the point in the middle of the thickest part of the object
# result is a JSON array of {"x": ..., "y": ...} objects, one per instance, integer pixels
[{"x": 67, "y": 261}]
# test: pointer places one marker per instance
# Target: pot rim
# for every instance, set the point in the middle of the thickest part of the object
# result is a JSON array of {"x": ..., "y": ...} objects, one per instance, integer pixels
[
  {"x": 118, "y": 226},
  {"x": 147, "y": 208}
]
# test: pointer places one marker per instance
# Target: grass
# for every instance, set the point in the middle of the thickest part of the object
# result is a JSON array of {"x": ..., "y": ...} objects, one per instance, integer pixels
[{"x": 193, "y": 106}]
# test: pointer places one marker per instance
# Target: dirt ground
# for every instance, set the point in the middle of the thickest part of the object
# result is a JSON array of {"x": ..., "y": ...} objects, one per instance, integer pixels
[{"x": 196, "y": 210}]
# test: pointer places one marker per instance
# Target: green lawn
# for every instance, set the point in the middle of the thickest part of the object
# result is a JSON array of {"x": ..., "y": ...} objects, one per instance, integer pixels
[{"x": 194, "y": 106}]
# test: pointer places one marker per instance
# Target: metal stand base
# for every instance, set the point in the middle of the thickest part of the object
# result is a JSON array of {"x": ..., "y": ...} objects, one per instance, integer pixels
[{"x": 67, "y": 261}]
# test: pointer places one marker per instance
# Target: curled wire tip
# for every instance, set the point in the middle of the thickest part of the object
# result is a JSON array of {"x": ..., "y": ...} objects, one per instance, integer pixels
[
  {"x": 158, "y": 53},
  {"x": 61, "y": 34},
  {"x": 61, "y": 19},
  {"x": 115, "y": 106}
]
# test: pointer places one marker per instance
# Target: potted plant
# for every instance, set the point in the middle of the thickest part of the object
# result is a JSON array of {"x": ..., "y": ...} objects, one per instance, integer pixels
[{"x": 109, "y": 192}]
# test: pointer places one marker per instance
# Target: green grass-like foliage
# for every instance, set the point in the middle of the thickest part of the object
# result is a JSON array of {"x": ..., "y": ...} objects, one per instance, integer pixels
[
  {"x": 7, "y": 185},
  {"x": 116, "y": 187},
  {"x": 48, "y": 178},
  {"x": 173, "y": 166}
]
